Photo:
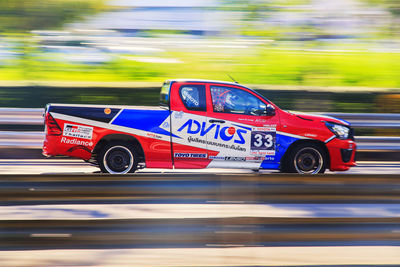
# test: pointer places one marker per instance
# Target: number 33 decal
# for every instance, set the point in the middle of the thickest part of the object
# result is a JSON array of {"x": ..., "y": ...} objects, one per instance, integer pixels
[
  {"x": 263, "y": 140},
  {"x": 267, "y": 141}
]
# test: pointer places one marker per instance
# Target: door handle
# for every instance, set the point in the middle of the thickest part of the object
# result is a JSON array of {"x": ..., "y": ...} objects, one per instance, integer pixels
[{"x": 216, "y": 121}]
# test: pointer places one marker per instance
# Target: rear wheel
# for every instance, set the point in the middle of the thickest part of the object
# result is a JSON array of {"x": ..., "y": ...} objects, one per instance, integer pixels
[
  {"x": 306, "y": 159},
  {"x": 118, "y": 158}
]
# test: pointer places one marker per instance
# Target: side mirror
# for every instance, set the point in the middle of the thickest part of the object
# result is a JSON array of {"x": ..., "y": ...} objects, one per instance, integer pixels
[{"x": 270, "y": 110}]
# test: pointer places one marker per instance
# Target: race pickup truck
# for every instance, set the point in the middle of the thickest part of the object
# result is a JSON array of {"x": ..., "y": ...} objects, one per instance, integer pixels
[{"x": 199, "y": 124}]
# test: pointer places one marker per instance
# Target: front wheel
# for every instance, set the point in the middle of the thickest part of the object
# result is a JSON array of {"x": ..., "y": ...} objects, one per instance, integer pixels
[
  {"x": 306, "y": 159},
  {"x": 118, "y": 158}
]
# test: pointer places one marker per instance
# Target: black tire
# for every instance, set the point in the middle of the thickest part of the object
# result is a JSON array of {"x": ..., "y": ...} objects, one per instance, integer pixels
[
  {"x": 306, "y": 159},
  {"x": 118, "y": 157}
]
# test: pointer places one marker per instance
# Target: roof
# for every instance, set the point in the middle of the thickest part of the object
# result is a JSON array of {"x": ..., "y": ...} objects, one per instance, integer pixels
[
  {"x": 213, "y": 81},
  {"x": 205, "y": 81}
]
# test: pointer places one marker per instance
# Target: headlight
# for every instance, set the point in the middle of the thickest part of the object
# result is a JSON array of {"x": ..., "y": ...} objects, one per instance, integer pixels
[{"x": 341, "y": 131}]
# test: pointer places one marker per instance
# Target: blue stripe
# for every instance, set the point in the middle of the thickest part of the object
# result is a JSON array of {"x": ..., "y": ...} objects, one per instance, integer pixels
[{"x": 145, "y": 120}]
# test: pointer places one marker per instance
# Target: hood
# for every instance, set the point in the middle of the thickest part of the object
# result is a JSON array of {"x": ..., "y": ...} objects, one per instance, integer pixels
[{"x": 318, "y": 117}]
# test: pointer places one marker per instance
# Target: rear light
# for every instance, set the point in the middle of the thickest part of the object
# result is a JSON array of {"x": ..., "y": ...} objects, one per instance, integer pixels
[{"x": 52, "y": 127}]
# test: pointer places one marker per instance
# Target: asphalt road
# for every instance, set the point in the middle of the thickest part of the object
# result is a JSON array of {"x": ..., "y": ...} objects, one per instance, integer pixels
[
  {"x": 355, "y": 256},
  {"x": 62, "y": 166},
  {"x": 34, "y": 234}
]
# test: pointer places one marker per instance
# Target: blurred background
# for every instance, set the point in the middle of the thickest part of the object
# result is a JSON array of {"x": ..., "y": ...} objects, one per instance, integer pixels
[
  {"x": 347, "y": 52},
  {"x": 307, "y": 55},
  {"x": 338, "y": 57}
]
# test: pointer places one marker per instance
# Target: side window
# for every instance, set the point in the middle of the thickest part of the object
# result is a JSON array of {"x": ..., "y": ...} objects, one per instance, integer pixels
[
  {"x": 233, "y": 100},
  {"x": 193, "y": 97},
  {"x": 164, "y": 94}
]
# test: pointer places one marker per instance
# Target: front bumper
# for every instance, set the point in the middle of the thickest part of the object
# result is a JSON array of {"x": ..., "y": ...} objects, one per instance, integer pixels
[{"x": 342, "y": 154}]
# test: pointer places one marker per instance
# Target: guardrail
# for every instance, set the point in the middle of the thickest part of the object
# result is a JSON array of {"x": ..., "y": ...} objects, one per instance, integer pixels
[
  {"x": 370, "y": 120},
  {"x": 34, "y": 116},
  {"x": 26, "y": 116}
]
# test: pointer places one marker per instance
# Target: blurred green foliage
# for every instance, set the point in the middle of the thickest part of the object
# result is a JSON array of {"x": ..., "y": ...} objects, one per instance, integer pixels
[
  {"x": 39, "y": 96},
  {"x": 392, "y": 30},
  {"x": 27, "y": 15},
  {"x": 267, "y": 65},
  {"x": 305, "y": 60},
  {"x": 303, "y": 63},
  {"x": 392, "y": 5}
]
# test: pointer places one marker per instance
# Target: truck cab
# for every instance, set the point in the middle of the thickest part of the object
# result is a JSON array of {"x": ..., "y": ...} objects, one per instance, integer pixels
[{"x": 200, "y": 124}]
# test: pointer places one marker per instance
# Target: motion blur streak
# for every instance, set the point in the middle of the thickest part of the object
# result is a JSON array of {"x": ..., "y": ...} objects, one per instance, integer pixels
[
  {"x": 209, "y": 232},
  {"x": 71, "y": 166},
  {"x": 224, "y": 209},
  {"x": 199, "y": 188},
  {"x": 299, "y": 42},
  {"x": 198, "y": 210},
  {"x": 210, "y": 257},
  {"x": 321, "y": 56}
]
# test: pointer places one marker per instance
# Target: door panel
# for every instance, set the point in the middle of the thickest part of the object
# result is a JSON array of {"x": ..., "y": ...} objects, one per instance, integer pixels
[
  {"x": 189, "y": 144},
  {"x": 188, "y": 117},
  {"x": 247, "y": 137}
]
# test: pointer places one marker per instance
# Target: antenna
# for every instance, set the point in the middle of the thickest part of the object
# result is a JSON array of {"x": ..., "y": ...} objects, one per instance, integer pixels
[{"x": 232, "y": 78}]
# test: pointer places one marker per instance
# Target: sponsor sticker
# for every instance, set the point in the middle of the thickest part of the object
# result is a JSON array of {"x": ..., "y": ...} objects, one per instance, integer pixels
[
  {"x": 178, "y": 114},
  {"x": 263, "y": 141},
  {"x": 190, "y": 155},
  {"x": 225, "y": 137},
  {"x": 165, "y": 125},
  {"x": 235, "y": 158},
  {"x": 216, "y": 157},
  {"x": 215, "y": 144},
  {"x": 254, "y": 158},
  {"x": 78, "y": 131},
  {"x": 246, "y": 119},
  {"x": 310, "y": 135},
  {"x": 75, "y": 141},
  {"x": 227, "y": 158},
  {"x": 154, "y": 135}
]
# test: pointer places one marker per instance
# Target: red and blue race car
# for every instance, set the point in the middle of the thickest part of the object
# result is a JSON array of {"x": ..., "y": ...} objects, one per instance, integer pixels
[{"x": 199, "y": 124}]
